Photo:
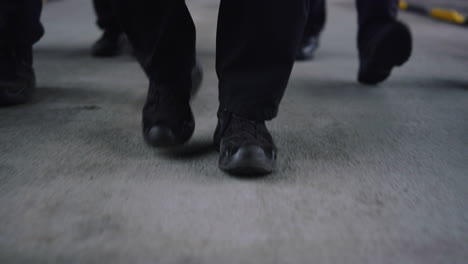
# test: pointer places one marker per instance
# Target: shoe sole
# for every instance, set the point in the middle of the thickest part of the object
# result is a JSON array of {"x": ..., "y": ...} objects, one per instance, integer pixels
[
  {"x": 393, "y": 49},
  {"x": 248, "y": 161},
  {"x": 305, "y": 57},
  {"x": 108, "y": 54},
  {"x": 12, "y": 93}
]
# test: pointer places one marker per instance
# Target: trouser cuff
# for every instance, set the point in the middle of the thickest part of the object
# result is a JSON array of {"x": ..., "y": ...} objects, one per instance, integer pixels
[{"x": 251, "y": 113}]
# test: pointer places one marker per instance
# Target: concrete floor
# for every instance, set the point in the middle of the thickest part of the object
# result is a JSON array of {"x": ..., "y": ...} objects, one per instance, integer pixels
[{"x": 366, "y": 175}]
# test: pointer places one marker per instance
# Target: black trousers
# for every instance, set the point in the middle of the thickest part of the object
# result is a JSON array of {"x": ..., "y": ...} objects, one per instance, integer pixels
[
  {"x": 317, "y": 18},
  {"x": 19, "y": 22},
  {"x": 256, "y": 47},
  {"x": 371, "y": 14},
  {"x": 106, "y": 19}
]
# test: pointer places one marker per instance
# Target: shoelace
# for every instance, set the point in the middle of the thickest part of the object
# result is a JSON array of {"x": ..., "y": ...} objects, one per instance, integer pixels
[{"x": 245, "y": 127}]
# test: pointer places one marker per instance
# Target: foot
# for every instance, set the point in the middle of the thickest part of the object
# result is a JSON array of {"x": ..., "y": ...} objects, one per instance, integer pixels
[
  {"x": 110, "y": 44},
  {"x": 167, "y": 118},
  {"x": 389, "y": 46},
  {"x": 17, "y": 78},
  {"x": 308, "y": 48},
  {"x": 246, "y": 147},
  {"x": 171, "y": 133}
]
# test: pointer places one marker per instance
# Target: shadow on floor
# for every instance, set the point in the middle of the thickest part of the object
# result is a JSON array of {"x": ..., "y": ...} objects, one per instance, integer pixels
[{"x": 195, "y": 149}]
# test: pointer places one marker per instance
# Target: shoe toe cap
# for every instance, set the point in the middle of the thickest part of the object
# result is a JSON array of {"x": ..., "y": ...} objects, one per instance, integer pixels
[
  {"x": 247, "y": 160},
  {"x": 160, "y": 136}
]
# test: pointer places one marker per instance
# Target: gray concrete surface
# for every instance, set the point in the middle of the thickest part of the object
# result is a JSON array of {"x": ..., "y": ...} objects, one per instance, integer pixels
[{"x": 366, "y": 175}]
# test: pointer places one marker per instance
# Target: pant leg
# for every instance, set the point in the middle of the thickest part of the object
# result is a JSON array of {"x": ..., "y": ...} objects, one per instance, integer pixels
[
  {"x": 256, "y": 47},
  {"x": 20, "y": 22},
  {"x": 372, "y": 13},
  {"x": 317, "y": 18},
  {"x": 162, "y": 34},
  {"x": 106, "y": 18}
]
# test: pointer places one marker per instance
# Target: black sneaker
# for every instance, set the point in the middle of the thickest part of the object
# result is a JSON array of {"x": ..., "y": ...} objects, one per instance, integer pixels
[
  {"x": 308, "y": 48},
  {"x": 245, "y": 146},
  {"x": 17, "y": 78},
  {"x": 387, "y": 46},
  {"x": 110, "y": 44},
  {"x": 167, "y": 117}
]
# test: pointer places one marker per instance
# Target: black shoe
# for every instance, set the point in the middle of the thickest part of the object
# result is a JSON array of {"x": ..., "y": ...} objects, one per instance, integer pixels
[
  {"x": 308, "y": 48},
  {"x": 17, "y": 78},
  {"x": 110, "y": 44},
  {"x": 171, "y": 133},
  {"x": 167, "y": 118},
  {"x": 389, "y": 45},
  {"x": 245, "y": 146}
]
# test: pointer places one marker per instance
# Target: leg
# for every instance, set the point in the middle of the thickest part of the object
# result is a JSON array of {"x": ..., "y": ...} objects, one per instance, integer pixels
[
  {"x": 110, "y": 43},
  {"x": 255, "y": 56},
  {"x": 20, "y": 28},
  {"x": 162, "y": 34},
  {"x": 317, "y": 18},
  {"x": 315, "y": 24},
  {"x": 256, "y": 52},
  {"x": 106, "y": 19},
  {"x": 383, "y": 42}
]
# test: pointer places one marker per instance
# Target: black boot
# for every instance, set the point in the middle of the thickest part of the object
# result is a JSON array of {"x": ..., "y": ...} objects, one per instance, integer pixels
[
  {"x": 245, "y": 146},
  {"x": 17, "y": 78},
  {"x": 167, "y": 117},
  {"x": 308, "y": 48},
  {"x": 381, "y": 48},
  {"x": 110, "y": 44}
]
